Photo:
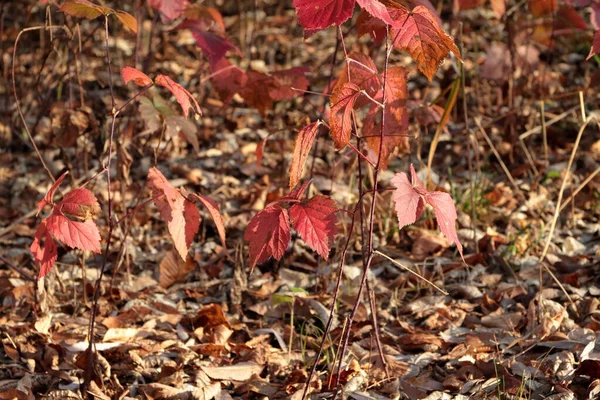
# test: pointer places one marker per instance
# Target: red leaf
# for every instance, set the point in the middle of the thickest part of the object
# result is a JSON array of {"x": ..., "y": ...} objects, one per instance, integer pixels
[
  {"x": 320, "y": 14},
  {"x": 410, "y": 197},
  {"x": 315, "y": 222},
  {"x": 360, "y": 70},
  {"x": 302, "y": 146},
  {"x": 367, "y": 24},
  {"x": 79, "y": 203},
  {"x": 213, "y": 210},
  {"x": 169, "y": 9},
  {"x": 214, "y": 46},
  {"x": 297, "y": 192},
  {"x": 396, "y": 118},
  {"x": 49, "y": 197},
  {"x": 595, "y": 45},
  {"x": 288, "y": 80},
  {"x": 418, "y": 33},
  {"x": 81, "y": 235},
  {"x": 228, "y": 79},
  {"x": 340, "y": 120},
  {"x": 269, "y": 235},
  {"x": 138, "y": 77},
  {"x": 257, "y": 90},
  {"x": 180, "y": 214},
  {"x": 181, "y": 94},
  {"x": 44, "y": 254},
  {"x": 376, "y": 9}
]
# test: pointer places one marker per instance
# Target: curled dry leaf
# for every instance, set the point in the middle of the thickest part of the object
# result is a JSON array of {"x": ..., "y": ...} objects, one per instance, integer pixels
[{"x": 173, "y": 269}]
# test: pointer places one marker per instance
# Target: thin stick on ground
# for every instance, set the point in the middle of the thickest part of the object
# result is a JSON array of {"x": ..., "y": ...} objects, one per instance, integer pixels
[{"x": 412, "y": 272}]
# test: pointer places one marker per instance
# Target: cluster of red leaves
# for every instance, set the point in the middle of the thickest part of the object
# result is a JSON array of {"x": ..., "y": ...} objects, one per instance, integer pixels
[
  {"x": 361, "y": 76},
  {"x": 182, "y": 96},
  {"x": 314, "y": 219},
  {"x": 178, "y": 209},
  {"x": 71, "y": 222}
]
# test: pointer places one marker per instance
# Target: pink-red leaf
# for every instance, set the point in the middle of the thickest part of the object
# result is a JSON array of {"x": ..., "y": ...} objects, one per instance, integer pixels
[
  {"x": 182, "y": 96},
  {"x": 44, "y": 254},
  {"x": 320, "y": 14},
  {"x": 49, "y": 197},
  {"x": 418, "y": 33},
  {"x": 214, "y": 45},
  {"x": 302, "y": 146},
  {"x": 180, "y": 214},
  {"x": 340, "y": 120},
  {"x": 315, "y": 221},
  {"x": 257, "y": 91},
  {"x": 268, "y": 234},
  {"x": 297, "y": 193},
  {"x": 409, "y": 204},
  {"x": 410, "y": 197},
  {"x": 213, "y": 209},
  {"x": 445, "y": 213},
  {"x": 169, "y": 9},
  {"x": 288, "y": 80},
  {"x": 80, "y": 235},
  {"x": 138, "y": 77}
]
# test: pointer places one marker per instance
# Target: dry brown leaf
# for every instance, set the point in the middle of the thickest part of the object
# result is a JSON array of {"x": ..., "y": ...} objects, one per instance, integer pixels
[{"x": 173, "y": 269}]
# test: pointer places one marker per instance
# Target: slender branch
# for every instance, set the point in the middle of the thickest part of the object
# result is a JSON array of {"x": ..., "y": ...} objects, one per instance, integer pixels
[
  {"x": 18, "y": 103},
  {"x": 17, "y": 269}
]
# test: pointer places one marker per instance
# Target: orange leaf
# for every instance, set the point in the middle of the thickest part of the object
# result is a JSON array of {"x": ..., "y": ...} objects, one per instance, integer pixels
[
  {"x": 173, "y": 269},
  {"x": 302, "y": 146},
  {"x": 84, "y": 9},
  {"x": 418, "y": 33},
  {"x": 127, "y": 20},
  {"x": 213, "y": 210},
  {"x": 180, "y": 214},
  {"x": 137, "y": 76},
  {"x": 340, "y": 120}
]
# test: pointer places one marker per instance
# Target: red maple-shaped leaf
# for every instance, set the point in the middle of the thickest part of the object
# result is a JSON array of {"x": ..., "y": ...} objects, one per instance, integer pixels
[
  {"x": 49, "y": 197},
  {"x": 595, "y": 45},
  {"x": 169, "y": 9},
  {"x": 180, "y": 214},
  {"x": 302, "y": 146},
  {"x": 340, "y": 120},
  {"x": 71, "y": 222},
  {"x": 410, "y": 198},
  {"x": 182, "y": 96},
  {"x": 45, "y": 254},
  {"x": 268, "y": 234},
  {"x": 396, "y": 118},
  {"x": 315, "y": 15},
  {"x": 418, "y": 33},
  {"x": 82, "y": 235},
  {"x": 213, "y": 209},
  {"x": 137, "y": 76},
  {"x": 315, "y": 222}
]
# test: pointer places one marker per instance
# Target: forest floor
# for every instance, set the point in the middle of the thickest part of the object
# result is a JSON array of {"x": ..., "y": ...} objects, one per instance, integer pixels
[{"x": 208, "y": 328}]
